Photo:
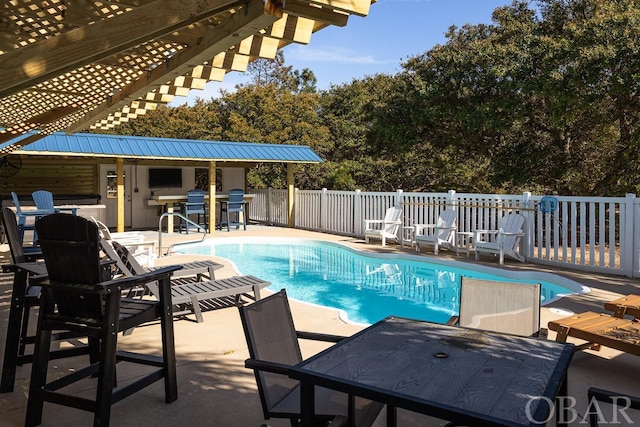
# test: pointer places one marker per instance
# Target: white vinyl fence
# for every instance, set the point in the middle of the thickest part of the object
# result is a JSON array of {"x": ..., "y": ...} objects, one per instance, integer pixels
[{"x": 597, "y": 234}]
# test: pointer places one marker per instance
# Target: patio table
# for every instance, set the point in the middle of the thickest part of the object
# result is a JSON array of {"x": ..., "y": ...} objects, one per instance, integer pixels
[{"x": 466, "y": 376}]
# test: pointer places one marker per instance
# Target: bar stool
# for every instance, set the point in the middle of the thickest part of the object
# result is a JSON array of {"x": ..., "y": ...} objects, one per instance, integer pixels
[
  {"x": 195, "y": 205},
  {"x": 86, "y": 301},
  {"x": 235, "y": 205}
]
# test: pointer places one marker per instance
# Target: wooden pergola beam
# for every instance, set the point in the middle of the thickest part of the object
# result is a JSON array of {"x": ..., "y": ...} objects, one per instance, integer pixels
[
  {"x": 48, "y": 58},
  {"x": 254, "y": 16}
]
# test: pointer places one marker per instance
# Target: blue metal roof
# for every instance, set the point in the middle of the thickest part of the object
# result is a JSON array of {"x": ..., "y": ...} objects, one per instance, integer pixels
[{"x": 94, "y": 145}]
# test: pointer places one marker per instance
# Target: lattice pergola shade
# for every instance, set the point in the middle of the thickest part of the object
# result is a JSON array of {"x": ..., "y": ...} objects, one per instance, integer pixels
[{"x": 69, "y": 65}]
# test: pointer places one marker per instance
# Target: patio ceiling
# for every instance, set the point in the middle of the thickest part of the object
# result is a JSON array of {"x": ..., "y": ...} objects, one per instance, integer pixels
[{"x": 72, "y": 65}]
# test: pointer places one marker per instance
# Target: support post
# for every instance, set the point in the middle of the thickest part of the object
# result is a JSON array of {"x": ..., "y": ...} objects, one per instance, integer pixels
[
  {"x": 291, "y": 213},
  {"x": 120, "y": 191},
  {"x": 213, "y": 206}
]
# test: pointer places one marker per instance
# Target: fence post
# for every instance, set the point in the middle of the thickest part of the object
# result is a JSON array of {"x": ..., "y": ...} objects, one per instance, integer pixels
[
  {"x": 269, "y": 204},
  {"x": 399, "y": 197},
  {"x": 357, "y": 213},
  {"x": 451, "y": 200},
  {"x": 296, "y": 210},
  {"x": 629, "y": 238},
  {"x": 323, "y": 210},
  {"x": 527, "y": 209}
]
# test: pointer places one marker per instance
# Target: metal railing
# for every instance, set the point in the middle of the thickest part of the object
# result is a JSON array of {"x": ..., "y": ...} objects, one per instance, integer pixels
[{"x": 188, "y": 222}]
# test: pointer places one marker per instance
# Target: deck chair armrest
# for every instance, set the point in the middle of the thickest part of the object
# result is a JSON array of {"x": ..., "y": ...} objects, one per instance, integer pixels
[
  {"x": 510, "y": 233},
  {"x": 192, "y": 203},
  {"x": 418, "y": 229},
  {"x": 613, "y": 397},
  {"x": 153, "y": 275},
  {"x": 115, "y": 285},
  {"x": 315, "y": 336},
  {"x": 478, "y": 233},
  {"x": 263, "y": 365},
  {"x": 368, "y": 222}
]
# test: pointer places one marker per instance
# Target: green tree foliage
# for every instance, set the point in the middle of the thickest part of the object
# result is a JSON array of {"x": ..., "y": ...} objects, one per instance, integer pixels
[{"x": 544, "y": 98}]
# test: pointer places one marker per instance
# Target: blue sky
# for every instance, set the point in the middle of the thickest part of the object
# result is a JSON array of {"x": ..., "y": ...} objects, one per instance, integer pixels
[{"x": 393, "y": 31}]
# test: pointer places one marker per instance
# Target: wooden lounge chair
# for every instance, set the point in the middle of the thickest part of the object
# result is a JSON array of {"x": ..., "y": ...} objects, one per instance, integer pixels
[
  {"x": 599, "y": 329},
  {"x": 627, "y": 305},
  {"x": 273, "y": 347},
  {"x": 386, "y": 228},
  {"x": 442, "y": 233},
  {"x": 507, "y": 307},
  {"x": 187, "y": 291}
]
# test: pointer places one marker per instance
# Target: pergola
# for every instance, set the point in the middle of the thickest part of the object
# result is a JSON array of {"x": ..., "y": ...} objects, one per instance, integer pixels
[{"x": 72, "y": 65}]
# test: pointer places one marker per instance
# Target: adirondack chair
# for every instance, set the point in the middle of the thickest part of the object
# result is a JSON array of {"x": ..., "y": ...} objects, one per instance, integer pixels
[
  {"x": 386, "y": 228},
  {"x": 22, "y": 217},
  {"x": 235, "y": 205},
  {"x": 89, "y": 303},
  {"x": 44, "y": 201},
  {"x": 504, "y": 241},
  {"x": 442, "y": 233},
  {"x": 143, "y": 250}
]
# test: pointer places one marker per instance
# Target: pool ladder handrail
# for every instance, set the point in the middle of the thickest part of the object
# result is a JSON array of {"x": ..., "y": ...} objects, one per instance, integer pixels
[{"x": 188, "y": 221}]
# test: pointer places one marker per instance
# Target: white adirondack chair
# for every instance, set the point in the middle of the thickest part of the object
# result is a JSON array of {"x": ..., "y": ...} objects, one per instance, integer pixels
[
  {"x": 504, "y": 241},
  {"x": 442, "y": 233},
  {"x": 386, "y": 228}
]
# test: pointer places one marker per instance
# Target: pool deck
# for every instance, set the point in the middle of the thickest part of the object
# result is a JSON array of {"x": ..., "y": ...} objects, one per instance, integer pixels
[{"x": 216, "y": 390}]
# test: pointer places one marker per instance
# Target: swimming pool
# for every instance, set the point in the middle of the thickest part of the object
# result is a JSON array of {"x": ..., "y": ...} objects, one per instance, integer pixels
[{"x": 366, "y": 287}]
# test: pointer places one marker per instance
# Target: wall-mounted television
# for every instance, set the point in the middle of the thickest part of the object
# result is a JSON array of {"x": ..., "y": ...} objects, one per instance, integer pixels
[{"x": 165, "y": 178}]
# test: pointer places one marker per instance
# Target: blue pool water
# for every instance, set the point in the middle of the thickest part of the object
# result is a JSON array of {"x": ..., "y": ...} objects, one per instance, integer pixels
[{"x": 367, "y": 287}]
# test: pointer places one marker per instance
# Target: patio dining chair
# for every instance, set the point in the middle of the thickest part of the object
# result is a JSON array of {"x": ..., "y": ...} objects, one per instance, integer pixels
[
  {"x": 273, "y": 347},
  {"x": 506, "y": 307},
  {"x": 88, "y": 302}
]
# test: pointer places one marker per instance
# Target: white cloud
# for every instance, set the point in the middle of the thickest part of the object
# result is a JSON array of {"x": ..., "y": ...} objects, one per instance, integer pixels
[{"x": 334, "y": 55}]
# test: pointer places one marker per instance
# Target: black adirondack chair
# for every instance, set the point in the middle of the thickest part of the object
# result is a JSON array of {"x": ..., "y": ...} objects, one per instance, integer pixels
[{"x": 80, "y": 296}]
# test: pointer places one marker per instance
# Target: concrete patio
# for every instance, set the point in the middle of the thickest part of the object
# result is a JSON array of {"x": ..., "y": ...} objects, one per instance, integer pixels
[{"x": 216, "y": 390}]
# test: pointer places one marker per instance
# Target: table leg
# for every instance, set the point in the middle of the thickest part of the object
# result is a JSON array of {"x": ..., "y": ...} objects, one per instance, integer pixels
[
  {"x": 563, "y": 414},
  {"x": 12, "y": 343},
  {"x": 307, "y": 404},
  {"x": 392, "y": 416}
]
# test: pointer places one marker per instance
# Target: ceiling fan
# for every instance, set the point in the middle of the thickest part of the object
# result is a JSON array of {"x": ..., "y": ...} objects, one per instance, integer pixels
[{"x": 10, "y": 166}]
